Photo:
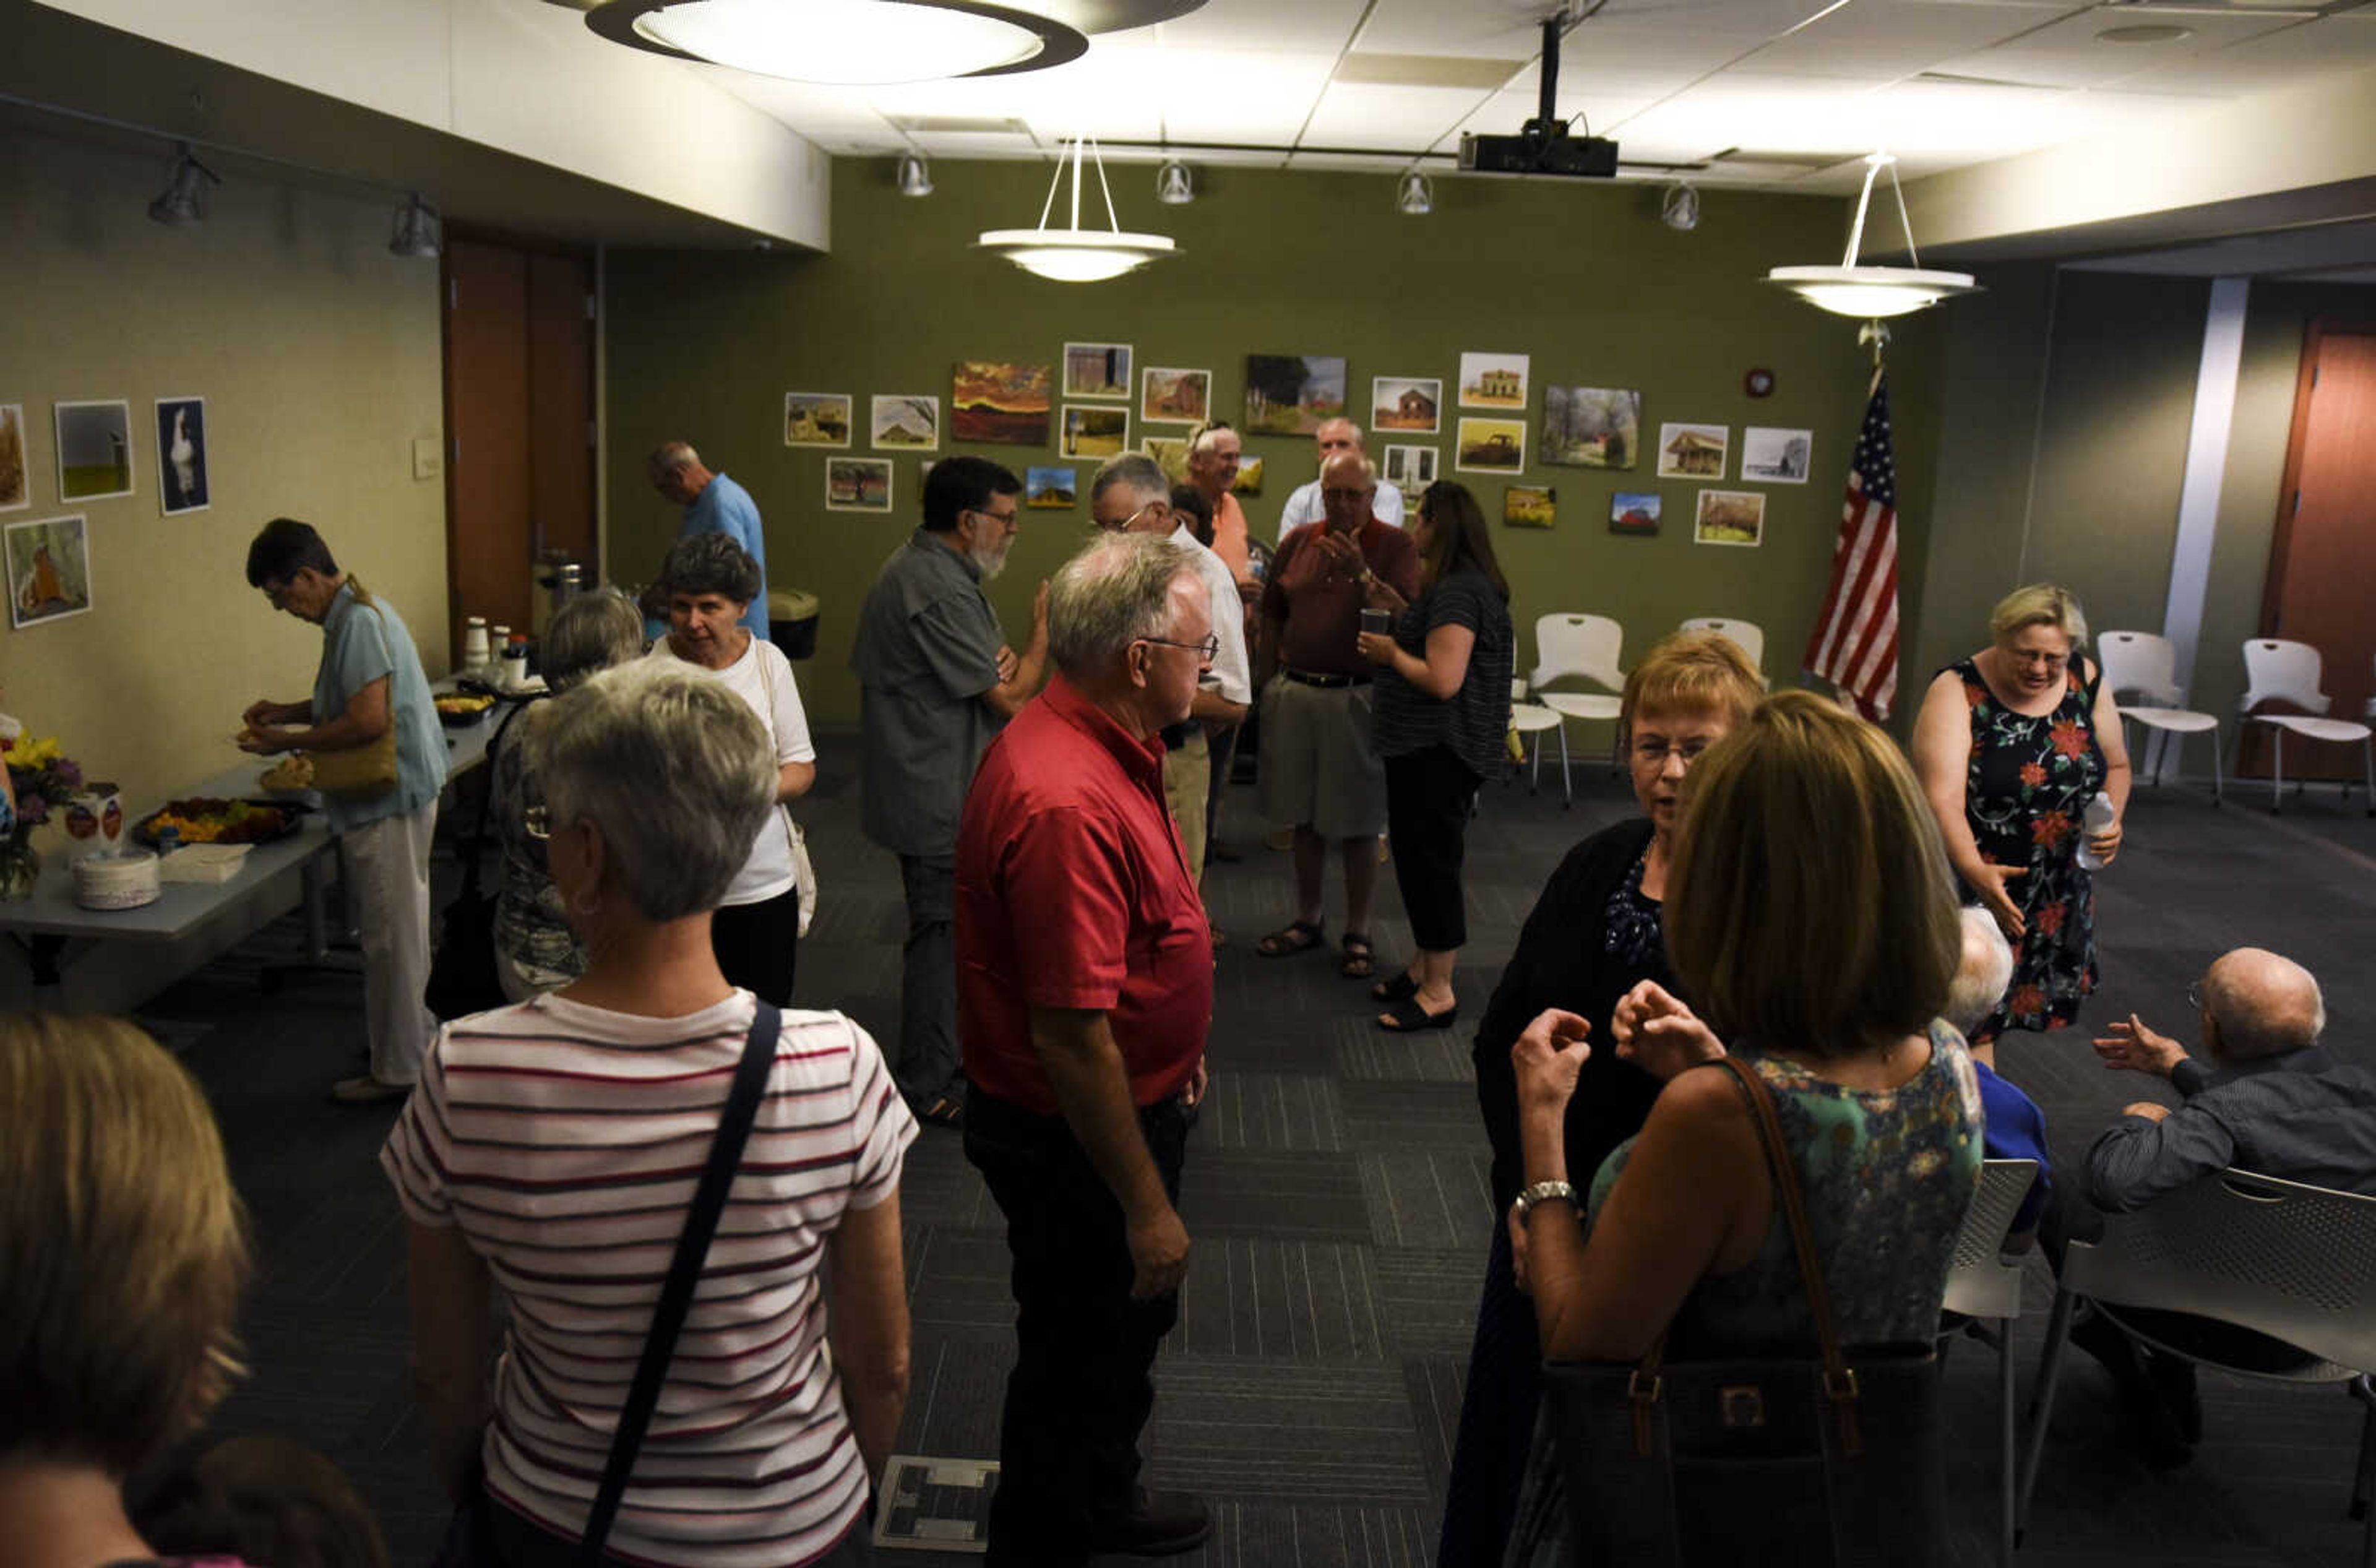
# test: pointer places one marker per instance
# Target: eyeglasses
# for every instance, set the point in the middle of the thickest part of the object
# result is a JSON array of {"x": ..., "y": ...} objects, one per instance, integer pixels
[
  {"x": 537, "y": 821},
  {"x": 2194, "y": 995},
  {"x": 2033, "y": 656},
  {"x": 1659, "y": 751},
  {"x": 1340, "y": 494},
  {"x": 1004, "y": 519},
  {"x": 1132, "y": 521},
  {"x": 1206, "y": 649}
]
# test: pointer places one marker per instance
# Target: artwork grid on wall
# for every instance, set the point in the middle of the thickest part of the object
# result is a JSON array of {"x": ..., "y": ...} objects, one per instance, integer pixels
[
  {"x": 181, "y": 484},
  {"x": 1494, "y": 381},
  {"x": 16, "y": 469},
  {"x": 94, "y": 449},
  {"x": 1096, "y": 370},
  {"x": 1000, "y": 403},
  {"x": 858, "y": 485},
  {"x": 910, "y": 420},
  {"x": 1730, "y": 517},
  {"x": 816, "y": 419},
  {"x": 1693, "y": 451},
  {"x": 1409, "y": 404},
  {"x": 1293, "y": 394},
  {"x": 1490, "y": 446},
  {"x": 1050, "y": 489},
  {"x": 1091, "y": 432},
  {"x": 1634, "y": 512},
  {"x": 48, "y": 570},
  {"x": 1171, "y": 395},
  {"x": 1591, "y": 427},
  {"x": 1777, "y": 457}
]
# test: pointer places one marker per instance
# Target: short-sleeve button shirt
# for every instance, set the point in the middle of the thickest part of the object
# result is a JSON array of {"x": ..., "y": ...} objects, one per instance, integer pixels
[{"x": 363, "y": 643}]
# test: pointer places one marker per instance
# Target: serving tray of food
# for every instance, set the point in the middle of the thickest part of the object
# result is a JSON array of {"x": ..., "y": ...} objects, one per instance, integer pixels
[{"x": 201, "y": 819}]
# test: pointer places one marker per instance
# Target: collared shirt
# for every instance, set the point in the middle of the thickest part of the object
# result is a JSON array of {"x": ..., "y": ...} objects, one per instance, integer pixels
[
  {"x": 1320, "y": 601},
  {"x": 926, "y": 650},
  {"x": 1305, "y": 505},
  {"x": 1229, "y": 537},
  {"x": 361, "y": 644},
  {"x": 1072, "y": 892},
  {"x": 2299, "y": 1117},
  {"x": 1233, "y": 675},
  {"x": 724, "y": 506}
]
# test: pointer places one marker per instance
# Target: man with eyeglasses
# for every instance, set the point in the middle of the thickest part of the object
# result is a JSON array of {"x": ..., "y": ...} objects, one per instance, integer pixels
[
  {"x": 1303, "y": 505},
  {"x": 937, "y": 681},
  {"x": 1130, "y": 494}
]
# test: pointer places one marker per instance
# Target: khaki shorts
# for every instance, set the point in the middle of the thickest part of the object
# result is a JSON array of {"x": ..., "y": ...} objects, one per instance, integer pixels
[
  {"x": 1318, "y": 767},
  {"x": 1187, "y": 770}
]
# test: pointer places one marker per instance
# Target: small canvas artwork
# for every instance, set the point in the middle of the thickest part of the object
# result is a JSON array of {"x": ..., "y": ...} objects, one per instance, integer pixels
[
  {"x": 1410, "y": 469},
  {"x": 1730, "y": 517},
  {"x": 1490, "y": 446},
  {"x": 1293, "y": 394},
  {"x": 1167, "y": 396},
  {"x": 1096, "y": 370},
  {"x": 1494, "y": 381},
  {"x": 1530, "y": 506},
  {"x": 16, "y": 477},
  {"x": 1001, "y": 404},
  {"x": 1777, "y": 457},
  {"x": 905, "y": 420},
  {"x": 1591, "y": 427},
  {"x": 48, "y": 570},
  {"x": 1171, "y": 454},
  {"x": 1094, "y": 432},
  {"x": 1633, "y": 512},
  {"x": 1693, "y": 451},
  {"x": 1049, "y": 490},
  {"x": 816, "y": 419},
  {"x": 858, "y": 485},
  {"x": 94, "y": 450},
  {"x": 1411, "y": 404},
  {"x": 1248, "y": 480},
  {"x": 182, "y": 455}
]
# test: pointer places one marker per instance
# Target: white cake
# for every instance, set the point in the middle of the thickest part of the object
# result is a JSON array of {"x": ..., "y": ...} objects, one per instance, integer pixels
[{"x": 121, "y": 882}]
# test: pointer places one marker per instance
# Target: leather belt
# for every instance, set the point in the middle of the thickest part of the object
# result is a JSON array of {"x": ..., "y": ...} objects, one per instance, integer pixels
[{"x": 1325, "y": 682}]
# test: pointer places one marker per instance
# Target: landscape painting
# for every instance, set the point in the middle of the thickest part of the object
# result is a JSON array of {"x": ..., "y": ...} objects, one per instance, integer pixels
[
  {"x": 1001, "y": 404},
  {"x": 858, "y": 485},
  {"x": 1248, "y": 480},
  {"x": 1293, "y": 394},
  {"x": 1094, "y": 432},
  {"x": 1411, "y": 404},
  {"x": 1778, "y": 457},
  {"x": 905, "y": 420},
  {"x": 1591, "y": 427},
  {"x": 16, "y": 482},
  {"x": 1171, "y": 454},
  {"x": 1530, "y": 506},
  {"x": 1490, "y": 446},
  {"x": 1730, "y": 517},
  {"x": 48, "y": 570},
  {"x": 816, "y": 419},
  {"x": 1693, "y": 451},
  {"x": 1494, "y": 381},
  {"x": 94, "y": 450},
  {"x": 1047, "y": 489},
  {"x": 1633, "y": 512},
  {"x": 1169, "y": 396},
  {"x": 1096, "y": 370}
]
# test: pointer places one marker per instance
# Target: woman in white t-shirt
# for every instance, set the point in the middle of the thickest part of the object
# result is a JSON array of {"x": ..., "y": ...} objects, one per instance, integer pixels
[{"x": 710, "y": 581}]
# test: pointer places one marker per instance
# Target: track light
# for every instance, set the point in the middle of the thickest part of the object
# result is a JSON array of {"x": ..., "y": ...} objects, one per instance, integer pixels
[
  {"x": 1175, "y": 183},
  {"x": 1414, "y": 195},
  {"x": 418, "y": 231},
  {"x": 1680, "y": 208},
  {"x": 915, "y": 175},
  {"x": 183, "y": 203}
]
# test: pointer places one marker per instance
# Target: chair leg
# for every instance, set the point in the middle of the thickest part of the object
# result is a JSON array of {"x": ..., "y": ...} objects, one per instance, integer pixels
[
  {"x": 2049, "y": 1372},
  {"x": 2007, "y": 1463},
  {"x": 2215, "y": 784},
  {"x": 1567, "y": 790},
  {"x": 1535, "y": 777},
  {"x": 2278, "y": 770},
  {"x": 2367, "y": 757}
]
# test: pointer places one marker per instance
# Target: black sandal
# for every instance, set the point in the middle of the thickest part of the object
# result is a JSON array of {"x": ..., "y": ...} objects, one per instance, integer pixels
[
  {"x": 1296, "y": 936},
  {"x": 1360, "y": 960},
  {"x": 1401, "y": 988},
  {"x": 1409, "y": 1017}
]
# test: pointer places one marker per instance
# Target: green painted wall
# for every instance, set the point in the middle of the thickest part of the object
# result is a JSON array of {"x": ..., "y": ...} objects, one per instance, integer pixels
[{"x": 1581, "y": 277}]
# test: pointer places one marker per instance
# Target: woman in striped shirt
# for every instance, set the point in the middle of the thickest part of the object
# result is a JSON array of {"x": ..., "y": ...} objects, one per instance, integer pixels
[{"x": 553, "y": 1149}]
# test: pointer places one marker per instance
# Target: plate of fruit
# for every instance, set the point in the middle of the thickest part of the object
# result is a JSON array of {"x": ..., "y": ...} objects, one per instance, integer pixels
[
  {"x": 202, "y": 819},
  {"x": 460, "y": 708}
]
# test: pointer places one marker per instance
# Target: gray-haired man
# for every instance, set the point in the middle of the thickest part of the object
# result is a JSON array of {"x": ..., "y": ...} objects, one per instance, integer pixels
[
  {"x": 713, "y": 503},
  {"x": 1304, "y": 505}
]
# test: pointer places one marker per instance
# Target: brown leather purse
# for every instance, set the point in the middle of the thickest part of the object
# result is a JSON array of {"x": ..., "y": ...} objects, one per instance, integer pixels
[{"x": 368, "y": 771}]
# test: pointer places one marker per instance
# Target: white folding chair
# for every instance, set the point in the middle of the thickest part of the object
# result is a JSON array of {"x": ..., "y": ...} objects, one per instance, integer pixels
[
  {"x": 1747, "y": 635},
  {"x": 1986, "y": 1290},
  {"x": 1584, "y": 646},
  {"x": 2278, "y": 670},
  {"x": 2143, "y": 667},
  {"x": 1531, "y": 718},
  {"x": 2292, "y": 1261}
]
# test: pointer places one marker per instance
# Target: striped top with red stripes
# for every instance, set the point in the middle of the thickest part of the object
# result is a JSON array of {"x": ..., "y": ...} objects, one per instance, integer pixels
[{"x": 565, "y": 1141}]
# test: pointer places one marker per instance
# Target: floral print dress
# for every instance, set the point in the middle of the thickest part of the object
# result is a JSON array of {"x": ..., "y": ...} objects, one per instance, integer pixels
[{"x": 2024, "y": 794}]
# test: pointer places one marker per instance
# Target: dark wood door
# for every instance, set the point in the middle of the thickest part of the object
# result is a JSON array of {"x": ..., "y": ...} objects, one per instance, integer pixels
[{"x": 2324, "y": 555}]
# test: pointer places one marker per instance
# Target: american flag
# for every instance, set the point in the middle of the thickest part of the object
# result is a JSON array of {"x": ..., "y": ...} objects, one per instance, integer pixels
[{"x": 1855, "y": 642}]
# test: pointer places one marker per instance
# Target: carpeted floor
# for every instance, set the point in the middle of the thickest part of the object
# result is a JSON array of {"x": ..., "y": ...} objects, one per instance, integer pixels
[{"x": 1337, "y": 1196}]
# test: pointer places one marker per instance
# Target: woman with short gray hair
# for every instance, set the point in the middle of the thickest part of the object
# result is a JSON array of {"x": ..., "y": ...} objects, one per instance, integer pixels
[
  {"x": 550, "y": 1153},
  {"x": 535, "y": 949},
  {"x": 709, "y": 581}
]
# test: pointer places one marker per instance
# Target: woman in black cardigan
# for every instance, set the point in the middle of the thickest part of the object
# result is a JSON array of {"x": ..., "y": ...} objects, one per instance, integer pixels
[{"x": 1592, "y": 935}]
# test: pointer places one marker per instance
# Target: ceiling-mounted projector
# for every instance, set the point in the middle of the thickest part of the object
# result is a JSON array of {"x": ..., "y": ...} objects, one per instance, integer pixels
[{"x": 1543, "y": 145}]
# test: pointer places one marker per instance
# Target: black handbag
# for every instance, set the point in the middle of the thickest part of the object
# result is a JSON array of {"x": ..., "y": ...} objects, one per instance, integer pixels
[
  {"x": 1831, "y": 1461},
  {"x": 462, "y": 978},
  {"x": 468, "y": 1541}
]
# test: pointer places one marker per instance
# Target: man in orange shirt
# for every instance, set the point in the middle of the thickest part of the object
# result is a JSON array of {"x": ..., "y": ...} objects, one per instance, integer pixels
[{"x": 1213, "y": 454}]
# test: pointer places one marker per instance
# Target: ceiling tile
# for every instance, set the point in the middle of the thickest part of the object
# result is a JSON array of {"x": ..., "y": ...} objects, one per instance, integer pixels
[
  {"x": 1259, "y": 25},
  {"x": 1889, "y": 39},
  {"x": 1411, "y": 118},
  {"x": 2069, "y": 53},
  {"x": 2273, "y": 60}
]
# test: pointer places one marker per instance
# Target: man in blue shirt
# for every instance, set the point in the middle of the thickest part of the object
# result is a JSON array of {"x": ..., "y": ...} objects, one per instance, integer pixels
[
  {"x": 713, "y": 503},
  {"x": 370, "y": 681}
]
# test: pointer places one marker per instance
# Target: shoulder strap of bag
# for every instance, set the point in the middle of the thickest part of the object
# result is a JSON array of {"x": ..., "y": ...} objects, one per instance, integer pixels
[
  {"x": 475, "y": 851},
  {"x": 684, "y": 1273},
  {"x": 783, "y": 812}
]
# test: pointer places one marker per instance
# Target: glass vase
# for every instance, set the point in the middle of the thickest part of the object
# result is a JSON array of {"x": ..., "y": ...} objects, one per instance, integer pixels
[{"x": 20, "y": 867}]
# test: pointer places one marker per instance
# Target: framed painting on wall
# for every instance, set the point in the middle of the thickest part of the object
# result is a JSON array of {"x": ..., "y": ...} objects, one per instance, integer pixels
[
  {"x": 1693, "y": 451},
  {"x": 1050, "y": 489},
  {"x": 1093, "y": 431},
  {"x": 1591, "y": 427},
  {"x": 182, "y": 455},
  {"x": 998, "y": 403},
  {"x": 1633, "y": 512},
  {"x": 48, "y": 570},
  {"x": 1490, "y": 446},
  {"x": 1494, "y": 381},
  {"x": 1409, "y": 405},
  {"x": 1293, "y": 394},
  {"x": 1777, "y": 457},
  {"x": 906, "y": 420},
  {"x": 1730, "y": 517},
  {"x": 858, "y": 485},
  {"x": 16, "y": 477},
  {"x": 1096, "y": 370},
  {"x": 1530, "y": 506},
  {"x": 816, "y": 419},
  {"x": 1248, "y": 480},
  {"x": 1169, "y": 396},
  {"x": 1171, "y": 454},
  {"x": 94, "y": 450},
  {"x": 1410, "y": 469}
]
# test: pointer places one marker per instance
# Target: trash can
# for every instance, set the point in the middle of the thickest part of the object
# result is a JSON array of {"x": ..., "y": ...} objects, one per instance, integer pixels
[{"x": 792, "y": 621}]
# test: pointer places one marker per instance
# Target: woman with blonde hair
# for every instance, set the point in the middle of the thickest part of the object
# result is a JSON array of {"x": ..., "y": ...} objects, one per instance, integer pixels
[
  {"x": 1594, "y": 934},
  {"x": 124, "y": 1251},
  {"x": 2011, "y": 745}
]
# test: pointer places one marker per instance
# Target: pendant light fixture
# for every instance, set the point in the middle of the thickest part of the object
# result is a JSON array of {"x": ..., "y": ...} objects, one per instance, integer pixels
[
  {"x": 844, "y": 42},
  {"x": 1414, "y": 194},
  {"x": 418, "y": 231},
  {"x": 1874, "y": 291},
  {"x": 915, "y": 175},
  {"x": 183, "y": 203},
  {"x": 1175, "y": 183},
  {"x": 1074, "y": 255}
]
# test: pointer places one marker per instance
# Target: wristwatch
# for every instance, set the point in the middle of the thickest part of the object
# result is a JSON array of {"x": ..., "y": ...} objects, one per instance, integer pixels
[{"x": 1542, "y": 1191}]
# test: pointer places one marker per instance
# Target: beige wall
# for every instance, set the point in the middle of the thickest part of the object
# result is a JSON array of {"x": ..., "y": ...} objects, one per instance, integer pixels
[{"x": 318, "y": 354}]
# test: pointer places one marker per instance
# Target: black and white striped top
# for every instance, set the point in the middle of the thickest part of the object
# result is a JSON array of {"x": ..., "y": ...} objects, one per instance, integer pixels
[{"x": 1475, "y": 720}]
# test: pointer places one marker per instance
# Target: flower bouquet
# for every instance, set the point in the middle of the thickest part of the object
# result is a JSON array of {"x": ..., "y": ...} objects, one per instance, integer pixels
[{"x": 44, "y": 778}]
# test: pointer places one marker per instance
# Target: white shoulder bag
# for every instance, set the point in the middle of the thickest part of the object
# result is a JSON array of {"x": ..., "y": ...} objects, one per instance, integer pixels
[{"x": 804, "y": 872}]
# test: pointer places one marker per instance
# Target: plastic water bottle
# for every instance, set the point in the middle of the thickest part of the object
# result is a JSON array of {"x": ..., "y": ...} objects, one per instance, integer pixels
[{"x": 2099, "y": 815}]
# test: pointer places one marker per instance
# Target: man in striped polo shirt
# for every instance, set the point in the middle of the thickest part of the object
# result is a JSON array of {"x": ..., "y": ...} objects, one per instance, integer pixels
[{"x": 1085, "y": 977}]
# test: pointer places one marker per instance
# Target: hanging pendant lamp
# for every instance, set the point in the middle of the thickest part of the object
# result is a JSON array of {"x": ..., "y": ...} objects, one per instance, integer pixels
[
  {"x": 1075, "y": 255},
  {"x": 845, "y": 42},
  {"x": 1870, "y": 293}
]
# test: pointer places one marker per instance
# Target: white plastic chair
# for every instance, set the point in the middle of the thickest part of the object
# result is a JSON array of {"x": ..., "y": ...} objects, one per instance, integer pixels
[
  {"x": 1531, "y": 718},
  {"x": 2278, "y": 670},
  {"x": 1584, "y": 645},
  {"x": 1985, "y": 1289},
  {"x": 2293, "y": 1261},
  {"x": 2141, "y": 666},
  {"x": 1747, "y": 635}
]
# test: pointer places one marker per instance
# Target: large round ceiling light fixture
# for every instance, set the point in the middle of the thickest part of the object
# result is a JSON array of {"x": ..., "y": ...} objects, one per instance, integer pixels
[
  {"x": 1075, "y": 255},
  {"x": 844, "y": 42},
  {"x": 1871, "y": 293}
]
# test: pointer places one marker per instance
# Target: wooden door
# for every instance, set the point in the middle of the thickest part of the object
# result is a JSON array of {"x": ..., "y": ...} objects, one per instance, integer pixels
[{"x": 2324, "y": 555}]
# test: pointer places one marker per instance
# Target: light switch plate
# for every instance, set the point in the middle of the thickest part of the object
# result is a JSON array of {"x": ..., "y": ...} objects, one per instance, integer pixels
[{"x": 428, "y": 457}]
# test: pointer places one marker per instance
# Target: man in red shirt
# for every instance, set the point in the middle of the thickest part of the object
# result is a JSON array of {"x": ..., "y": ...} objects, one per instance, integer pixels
[
  {"x": 1084, "y": 979},
  {"x": 1320, "y": 774}
]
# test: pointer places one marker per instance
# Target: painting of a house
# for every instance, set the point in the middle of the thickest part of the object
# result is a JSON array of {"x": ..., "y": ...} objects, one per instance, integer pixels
[
  {"x": 1693, "y": 451},
  {"x": 1406, "y": 403},
  {"x": 1494, "y": 381}
]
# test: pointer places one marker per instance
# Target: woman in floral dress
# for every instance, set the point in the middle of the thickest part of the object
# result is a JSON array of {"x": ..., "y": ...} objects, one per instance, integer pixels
[{"x": 2010, "y": 746}]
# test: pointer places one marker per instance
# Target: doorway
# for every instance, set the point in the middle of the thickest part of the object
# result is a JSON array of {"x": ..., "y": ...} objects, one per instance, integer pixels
[{"x": 2323, "y": 553}]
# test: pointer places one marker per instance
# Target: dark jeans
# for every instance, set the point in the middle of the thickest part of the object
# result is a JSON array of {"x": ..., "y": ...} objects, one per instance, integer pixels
[
  {"x": 1085, "y": 1351},
  {"x": 758, "y": 944},
  {"x": 523, "y": 1545},
  {"x": 1222, "y": 745},
  {"x": 1429, "y": 795},
  {"x": 1497, "y": 1419},
  {"x": 928, "y": 979}
]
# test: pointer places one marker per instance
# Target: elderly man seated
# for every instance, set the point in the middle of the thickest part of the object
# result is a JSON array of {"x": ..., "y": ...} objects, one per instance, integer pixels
[{"x": 2016, "y": 1127}]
